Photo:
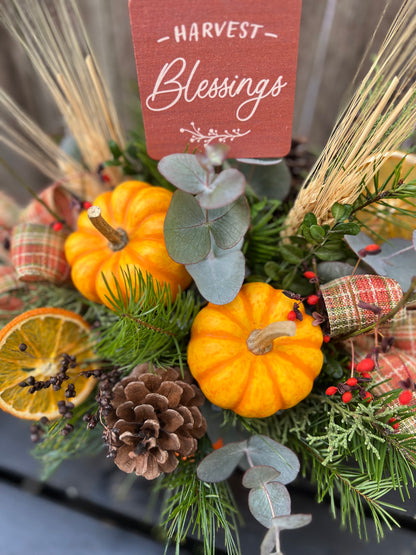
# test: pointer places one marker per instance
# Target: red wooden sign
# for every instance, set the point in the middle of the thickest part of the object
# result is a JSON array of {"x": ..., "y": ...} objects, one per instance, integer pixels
[{"x": 216, "y": 71}]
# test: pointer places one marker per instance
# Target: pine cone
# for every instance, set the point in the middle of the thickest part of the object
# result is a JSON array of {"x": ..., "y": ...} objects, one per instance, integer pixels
[{"x": 154, "y": 420}]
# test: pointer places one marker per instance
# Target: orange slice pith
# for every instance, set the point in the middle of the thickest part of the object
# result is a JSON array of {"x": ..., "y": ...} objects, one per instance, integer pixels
[{"x": 48, "y": 333}]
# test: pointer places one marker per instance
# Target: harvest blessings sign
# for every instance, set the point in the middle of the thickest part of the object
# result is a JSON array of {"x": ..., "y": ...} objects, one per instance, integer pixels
[{"x": 216, "y": 71}]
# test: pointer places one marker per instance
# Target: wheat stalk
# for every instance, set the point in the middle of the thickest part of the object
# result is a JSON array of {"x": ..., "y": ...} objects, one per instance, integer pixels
[
  {"x": 377, "y": 120},
  {"x": 55, "y": 40}
]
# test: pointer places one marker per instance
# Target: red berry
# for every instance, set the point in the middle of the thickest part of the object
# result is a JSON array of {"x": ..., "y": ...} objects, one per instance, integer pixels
[
  {"x": 57, "y": 226},
  {"x": 367, "y": 397},
  {"x": 105, "y": 178},
  {"x": 309, "y": 275},
  {"x": 365, "y": 365},
  {"x": 326, "y": 338},
  {"x": 352, "y": 381},
  {"x": 366, "y": 375},
  {"x": 291, "y": 315},
  {"x": 372, "y": 249},
  {"x": 392, "y": 420},
  {"x": 86, "y": 204},
  {"x": 405, "y": 397},
  {"x": 396, "y": 426},
  {"x": 347, "y": 396},
  {"x": 331, "y": 390},
  {"x": 349, "y": 365},
  {"x": 312, "y": 299}
]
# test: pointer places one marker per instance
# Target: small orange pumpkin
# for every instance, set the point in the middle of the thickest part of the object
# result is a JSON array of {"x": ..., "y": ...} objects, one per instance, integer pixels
[
  {"x": 246, "y": 356},
  {"x": 134, "y": 214}
]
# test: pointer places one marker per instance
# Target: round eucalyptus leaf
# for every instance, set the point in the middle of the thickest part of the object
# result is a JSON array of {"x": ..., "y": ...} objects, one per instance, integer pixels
[
  {"x": 397, "y": 259},
  {"x": 267, "y": 452},
  {"x": 328, "y": 271},
  {"x": 224, "y": 189},
  {"x": 185, "y": 172},
  {"x": 290, "y": 522},
  {"x": 257, "y": 476},
  {"x": 271, "y": 181},
  {"x": 187, "y": 236},
  {"x": 229, "y": 226},
  {"x": 220, "y": 275},
  {"x": 220, "y": 464},
  {"x": 269, "y": 501}
]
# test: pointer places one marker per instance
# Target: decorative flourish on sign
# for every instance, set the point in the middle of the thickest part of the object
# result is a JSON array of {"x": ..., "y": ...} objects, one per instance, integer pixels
[{"x": 197, "y": 136}]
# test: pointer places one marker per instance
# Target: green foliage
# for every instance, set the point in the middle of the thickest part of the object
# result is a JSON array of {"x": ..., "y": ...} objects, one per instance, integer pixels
[
  {"x": 192, "y": 506},
  {"x": 267, "y": 180},
  {"x": 349, "y": 452},
  {"x": 55, "y": 447},
  {"x": 150, "y": 326},
  {"x": 312, "y": 243}
]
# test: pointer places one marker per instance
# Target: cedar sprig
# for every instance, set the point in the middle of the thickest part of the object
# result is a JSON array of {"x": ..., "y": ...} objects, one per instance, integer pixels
[
  {"x": 150, "y": 326},
  {"x": 350, "y": 453}
]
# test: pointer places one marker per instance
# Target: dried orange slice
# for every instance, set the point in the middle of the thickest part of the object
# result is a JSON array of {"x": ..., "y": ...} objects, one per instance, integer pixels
[{"x": 31, "y": 348}]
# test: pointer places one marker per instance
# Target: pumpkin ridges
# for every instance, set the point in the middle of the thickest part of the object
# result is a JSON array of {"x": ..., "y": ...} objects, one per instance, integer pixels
[
  {"x": 299, "y": 363},
  {"x": 149, "y": 202}
]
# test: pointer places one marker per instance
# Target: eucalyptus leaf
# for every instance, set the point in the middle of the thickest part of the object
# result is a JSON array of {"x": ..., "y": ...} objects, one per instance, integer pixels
[
  {"x": 185, "y": 172},
  {"x": 229, "y": 224},
  {"x": 269, "y": 501},
  {"x": 291, "y": 521},
  {"x": 396, "y": 260},
  {"x": 257, "y": 476},
  {"x": 268, "y": 180},
  {"x": 217, "y": 153},
  {"x": 216, "y": 429},
  {"x": 186, "y": 231},
  {"x": 220, "y": 464},
  {"x": 220, "y": 275},
  {"x": 328, "y": 271},
  {"x": 224, "y": 189},
  {"x": 264, "y": 451}
]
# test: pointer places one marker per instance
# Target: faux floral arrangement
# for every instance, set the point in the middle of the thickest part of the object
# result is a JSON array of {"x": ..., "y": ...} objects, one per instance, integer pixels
[{"x": 204, "y": 315}]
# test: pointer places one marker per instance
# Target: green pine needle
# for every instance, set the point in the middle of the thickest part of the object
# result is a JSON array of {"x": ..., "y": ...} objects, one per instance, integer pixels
[
  {"x": 199, "y": 508},
  {"x": 150, "y": 326}
]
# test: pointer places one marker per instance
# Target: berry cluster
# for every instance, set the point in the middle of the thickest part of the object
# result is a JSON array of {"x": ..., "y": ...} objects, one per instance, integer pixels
[{"x": 347, "y": 388}]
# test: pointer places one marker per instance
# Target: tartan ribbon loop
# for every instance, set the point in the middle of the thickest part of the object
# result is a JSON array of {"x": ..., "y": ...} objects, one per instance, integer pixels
[
  {"x": 342, "y": 296},
  {"x": 38, "y": 254}
]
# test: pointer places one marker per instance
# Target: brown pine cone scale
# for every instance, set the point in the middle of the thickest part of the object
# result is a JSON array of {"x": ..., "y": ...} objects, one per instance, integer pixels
[{"x": 154, "y": 420}]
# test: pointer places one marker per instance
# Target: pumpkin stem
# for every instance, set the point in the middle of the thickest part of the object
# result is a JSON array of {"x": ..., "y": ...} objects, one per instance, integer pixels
[
  {"x": 117, "y": 238},
  {"x": 260, "y": 342}
]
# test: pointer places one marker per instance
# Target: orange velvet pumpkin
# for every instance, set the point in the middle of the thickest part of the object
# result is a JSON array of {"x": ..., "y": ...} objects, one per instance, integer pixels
[
  {"x": 137, "y": 210},
  {"x": 224, "y": 340}
]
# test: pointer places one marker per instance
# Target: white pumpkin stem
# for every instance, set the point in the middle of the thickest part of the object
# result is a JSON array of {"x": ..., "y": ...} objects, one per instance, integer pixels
[
  {"x": 260, "y": 342},
  {"x": 117, "y": 238}
]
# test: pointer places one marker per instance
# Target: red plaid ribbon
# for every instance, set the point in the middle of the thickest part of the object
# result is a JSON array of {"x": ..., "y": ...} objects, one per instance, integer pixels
[
  {"x": 395, "y": 366},
  {"x": 59, "y": 200},
  {"x": 341, "y": 298},
  {"x": 38, "y": 254}
]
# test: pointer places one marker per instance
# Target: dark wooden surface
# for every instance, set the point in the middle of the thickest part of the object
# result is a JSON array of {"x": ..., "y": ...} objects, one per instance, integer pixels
[{"x": 89, "y": 507}]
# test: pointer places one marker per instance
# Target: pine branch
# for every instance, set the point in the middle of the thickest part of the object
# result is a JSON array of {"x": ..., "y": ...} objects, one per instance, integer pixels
[
  {"x": 150, "y": 327},
  {"x": 196, "y": 507}
]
